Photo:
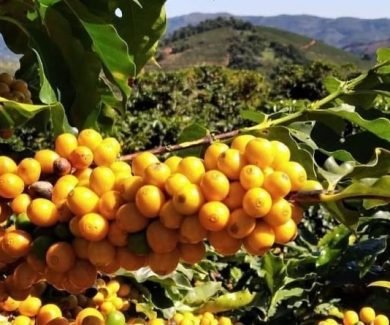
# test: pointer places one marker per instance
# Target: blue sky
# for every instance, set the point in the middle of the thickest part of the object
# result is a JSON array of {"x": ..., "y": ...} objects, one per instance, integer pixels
[{"x": 324, "y": 8}]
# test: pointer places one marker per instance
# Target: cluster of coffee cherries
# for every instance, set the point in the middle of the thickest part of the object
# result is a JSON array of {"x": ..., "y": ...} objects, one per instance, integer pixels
[
  {"x": 108, "y": 302},
  {"x": 189, "y": 318},
  {"x": 236, "y": 196},
  {"x": 14, "y": 89},
  {"x": 366, "y": 316},
  {"x": 77, "y": 210}
]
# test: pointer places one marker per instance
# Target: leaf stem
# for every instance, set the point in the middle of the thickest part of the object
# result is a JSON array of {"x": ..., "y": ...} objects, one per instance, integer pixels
[
  {"x": 286, "y": 118},
  {"x": 348, "y": 87},
  {"x": 331, "y": 97},
  {"x": 315, "y": 197}
]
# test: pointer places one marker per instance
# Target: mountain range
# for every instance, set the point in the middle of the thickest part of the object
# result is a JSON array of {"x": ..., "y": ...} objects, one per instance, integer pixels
[
  {"x": 358, "y": 36},
  {"x": 361, "y": 36}
]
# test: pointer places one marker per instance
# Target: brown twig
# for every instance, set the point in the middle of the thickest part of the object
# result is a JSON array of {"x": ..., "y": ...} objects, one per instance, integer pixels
[
  {"x": 223, "y": 136},
  {"x": 205, "y": 140}
]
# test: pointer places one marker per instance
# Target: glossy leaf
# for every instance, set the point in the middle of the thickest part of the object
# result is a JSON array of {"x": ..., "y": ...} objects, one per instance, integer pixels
[
  {"x": 334, "y": 237},
  {"x": 379, "y": 190},
  {"x": 343, "y": 148},
  {"x": 379, "y": 165},
  {"x": 332, "y": 245},
  {"x": 274, "y": 271},
  {"x": 142, "y": 24},
  {"x": 202, "y": 293},
  {"x": 346, "y": 216},
  {"x": 254, "y": 116},
  {"x": 383, "y": 54},
  {"x": 333, "y": 172},
  {"x": 146, "y": 309},
  {"x": 380, "y": 127},
  {"x": 45, "y": 4},
  {"x": 228, "y": 302},
  {"x": 371, "y": 204},
  {"x": 191, "y": 133},
  {"x": 282, "y": 295},
  {"x": 381, "y": 284},
  {"x": 83, "y": 67},
  {"x": 15, "y": 114},
  {"x": 46, "y": 93},
  {"x": 332, "y": 84},
  {"x": 107, "y": 43}
]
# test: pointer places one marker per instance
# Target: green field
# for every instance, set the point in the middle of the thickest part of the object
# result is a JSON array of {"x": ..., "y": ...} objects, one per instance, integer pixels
[{"x": 212, "y": 47}]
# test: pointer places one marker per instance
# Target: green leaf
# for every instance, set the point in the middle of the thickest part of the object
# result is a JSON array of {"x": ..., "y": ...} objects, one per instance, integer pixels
[
  {"x": 48, "y": 2},
  {"x": 327, "y": 256},
  {"x": 334, "y": 237},
  {"x": 146, "y": 309},
  {"x": 191, "y": 133},
  {"x": 302, "y": 132},
  {"x": 333, "y": 143},
  {"x": 332, "y": 245},
  {"x": 383, "y": 54},
  {"x": 380, "y": 126},
  {"x": 282, "y": 295},
  {"x": 333, "y": 172},
  {"x": 202, "y": 294},
  {"x": 228, "y": 302},
  {"x": 381, "y": 284},
  {"x": 84, "y": 69},
  {"x": 60, "y": 120},
  {"x": 141, "y": 26},
  {"x": 46, "y": 93},
  {"x": 254, "y": 116},
  {"x": 16, "y": 114},
  {"x": 107, "y": 43},
  {"x": 371, "y": 204},
  {"x": 346, "y": 216},
  {"x": 359, "y": 189},
  {"x": 332, "y": 84},
  {"x": 45, "y": 4},
  {"x": 176, "y": 279},
  {"x": 379, "y": 165},
  {"x": 274, "y": 270},
  {"x": 360, "y": 98}
]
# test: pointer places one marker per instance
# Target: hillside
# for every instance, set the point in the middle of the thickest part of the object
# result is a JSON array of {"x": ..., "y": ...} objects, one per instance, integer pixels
[
  {"x": 367, "y": 50},
  {"x": 232, "y": 43},
  {"x": 338, "y": 32},
  {"x": 361, "y": 37}
]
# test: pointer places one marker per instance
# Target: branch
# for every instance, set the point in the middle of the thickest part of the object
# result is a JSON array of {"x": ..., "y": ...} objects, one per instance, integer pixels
[
  {"x": 208, "y": 139},
  {"x": 314, "y": 197}
]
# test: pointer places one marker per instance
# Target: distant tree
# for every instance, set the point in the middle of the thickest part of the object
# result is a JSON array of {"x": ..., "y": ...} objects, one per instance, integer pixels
[
  {"x": 297, "y": 81},
  {"x": 207, "y": 25}
]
